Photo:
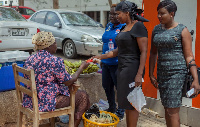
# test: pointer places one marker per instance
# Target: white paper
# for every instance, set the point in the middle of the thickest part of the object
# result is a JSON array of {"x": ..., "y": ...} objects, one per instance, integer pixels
[
  {"x": 133, "y": 84},
  {"x": 190, "y": 92},
  {"x": 137, "y": 99}
]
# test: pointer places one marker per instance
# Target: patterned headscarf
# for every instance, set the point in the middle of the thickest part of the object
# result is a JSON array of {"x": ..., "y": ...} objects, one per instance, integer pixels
[
  {"x": 132, "y": 8},
  {"x": 42, "y": 40}
]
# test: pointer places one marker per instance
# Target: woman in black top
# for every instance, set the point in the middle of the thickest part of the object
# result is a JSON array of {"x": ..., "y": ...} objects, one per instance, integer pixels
[{"x": 132, "y": 53}]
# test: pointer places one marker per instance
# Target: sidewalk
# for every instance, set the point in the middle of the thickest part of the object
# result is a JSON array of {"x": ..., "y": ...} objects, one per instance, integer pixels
[{"x": 144, "y": 121}]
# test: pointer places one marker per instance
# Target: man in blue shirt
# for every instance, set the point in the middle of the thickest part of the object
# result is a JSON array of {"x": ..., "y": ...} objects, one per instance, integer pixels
[{"x": 109, "y": 66}]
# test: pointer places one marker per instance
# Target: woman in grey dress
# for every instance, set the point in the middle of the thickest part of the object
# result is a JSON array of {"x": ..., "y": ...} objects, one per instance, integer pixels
[
  {"x": 132, "y": 52},
  {"x": 172, "y": 43}
]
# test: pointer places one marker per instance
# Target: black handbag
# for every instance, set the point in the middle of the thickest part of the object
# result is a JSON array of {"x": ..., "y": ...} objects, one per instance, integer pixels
[{"x": 189, "y": 80}]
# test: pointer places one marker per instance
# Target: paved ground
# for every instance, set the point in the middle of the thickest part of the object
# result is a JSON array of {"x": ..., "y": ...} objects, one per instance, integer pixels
[{"x": 144, "y": 121}]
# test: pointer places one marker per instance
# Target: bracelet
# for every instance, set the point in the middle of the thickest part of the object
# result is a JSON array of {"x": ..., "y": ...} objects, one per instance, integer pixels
[
  {"x": 191, "y": 61},
  {"x": 189, "y": 64},
  {"x": 192, "y": 65}
]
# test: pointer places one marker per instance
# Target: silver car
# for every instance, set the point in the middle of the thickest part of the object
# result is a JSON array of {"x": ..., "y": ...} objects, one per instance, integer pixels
[
  {"x": 75, "y": 32},
  {"x": 15, "y": 32}
]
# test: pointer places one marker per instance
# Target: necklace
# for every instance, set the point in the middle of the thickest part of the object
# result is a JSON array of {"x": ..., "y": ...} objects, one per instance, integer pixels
[{"x": 172, "y": 25}]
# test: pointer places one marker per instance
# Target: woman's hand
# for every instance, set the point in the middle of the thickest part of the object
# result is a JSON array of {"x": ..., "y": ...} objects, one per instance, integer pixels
[
  {"x": 84, "y": 65},
  {"x": 98, "y": 58},
  {"x": 196, "y": 86},
  {"x": 138, "y": 80},
  {"x": 154, "y": 81}
]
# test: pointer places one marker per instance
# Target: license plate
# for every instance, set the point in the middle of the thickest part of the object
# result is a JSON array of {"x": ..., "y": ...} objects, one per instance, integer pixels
[{"x": 18, "y": 32}]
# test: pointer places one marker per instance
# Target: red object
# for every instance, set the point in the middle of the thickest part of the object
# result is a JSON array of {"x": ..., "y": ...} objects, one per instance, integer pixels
[
  {"x": 90, "y": 60},
  {"x": 38, "y": 30},
  {"x": 25, "y": 11},
  {"x": 0, "y": 41}
]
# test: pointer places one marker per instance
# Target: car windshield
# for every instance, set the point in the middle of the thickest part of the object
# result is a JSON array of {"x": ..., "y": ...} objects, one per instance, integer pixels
[
  {"x": 9, "y": 14},
  {"x": 78, "y": 19}
]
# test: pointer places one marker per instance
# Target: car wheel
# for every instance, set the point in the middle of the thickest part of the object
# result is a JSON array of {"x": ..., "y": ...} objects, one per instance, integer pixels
[{"x": 69, "y": 49}]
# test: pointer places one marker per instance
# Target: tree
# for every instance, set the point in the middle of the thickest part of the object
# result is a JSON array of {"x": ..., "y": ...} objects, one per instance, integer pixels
[
  {"x": 21, "y": 2},
  {"x": 110, "y": 2},
  {"x": 55, "y": 4}
]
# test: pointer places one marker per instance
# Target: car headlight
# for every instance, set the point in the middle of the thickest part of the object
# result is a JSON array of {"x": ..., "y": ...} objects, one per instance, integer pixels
[{"x": 87, "y": 38}]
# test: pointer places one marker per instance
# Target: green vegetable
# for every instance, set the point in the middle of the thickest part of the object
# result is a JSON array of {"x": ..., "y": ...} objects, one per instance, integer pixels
[{"x": 73, "y": 67}]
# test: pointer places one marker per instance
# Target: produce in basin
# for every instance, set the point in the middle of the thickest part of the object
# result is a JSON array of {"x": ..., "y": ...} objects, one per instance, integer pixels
[{"x": 72, "y": 67}]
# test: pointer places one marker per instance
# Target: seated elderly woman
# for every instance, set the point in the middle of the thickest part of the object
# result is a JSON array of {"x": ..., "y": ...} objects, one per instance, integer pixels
[{"x": 52, "y": 79}]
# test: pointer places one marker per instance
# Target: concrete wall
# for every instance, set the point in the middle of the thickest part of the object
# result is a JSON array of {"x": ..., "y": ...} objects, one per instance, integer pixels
[{"x": 39, "y": 4}]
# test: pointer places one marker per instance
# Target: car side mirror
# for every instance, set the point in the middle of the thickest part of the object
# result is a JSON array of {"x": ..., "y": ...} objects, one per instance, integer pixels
[{"x": 58, "y": 25}]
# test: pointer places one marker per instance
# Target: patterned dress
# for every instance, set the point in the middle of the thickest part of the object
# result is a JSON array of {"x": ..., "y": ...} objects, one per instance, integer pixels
[
  {"x": 171, "y": 65},
  {"x": 50, "y": 73}
]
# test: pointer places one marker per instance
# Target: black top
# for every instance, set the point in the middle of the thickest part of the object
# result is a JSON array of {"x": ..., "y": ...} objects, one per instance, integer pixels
[{"x": 127, "y": 43}]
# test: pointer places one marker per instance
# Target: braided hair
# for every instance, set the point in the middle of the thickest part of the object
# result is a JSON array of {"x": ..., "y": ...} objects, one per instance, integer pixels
[
  {"x": 132, "y": 8},
  {"x": 169, "y": 5}
]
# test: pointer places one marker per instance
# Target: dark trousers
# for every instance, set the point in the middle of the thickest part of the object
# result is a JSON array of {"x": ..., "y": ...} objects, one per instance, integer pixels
[{"x": 109, "y": 81}]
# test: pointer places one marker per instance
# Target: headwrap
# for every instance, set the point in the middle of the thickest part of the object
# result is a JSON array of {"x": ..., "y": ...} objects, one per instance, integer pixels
[
  {"x": 132, "y": 8},
  {"x": 42, "y": 40}
]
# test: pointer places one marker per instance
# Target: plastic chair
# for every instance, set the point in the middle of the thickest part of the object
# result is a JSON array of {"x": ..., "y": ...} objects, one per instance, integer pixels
[{"x": 34, "y": 113}]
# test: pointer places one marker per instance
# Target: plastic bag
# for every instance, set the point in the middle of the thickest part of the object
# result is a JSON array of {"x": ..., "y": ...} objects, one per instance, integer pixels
[
  {"x": 136, "y": 98},
  {"x": 64, "y": 118},
  {"x": 103, "y": 105},
  {"x": 94, "y": 109}
]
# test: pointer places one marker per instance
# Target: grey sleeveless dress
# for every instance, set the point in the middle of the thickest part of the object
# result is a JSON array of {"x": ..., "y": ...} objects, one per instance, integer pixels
[{"x": 171, "y": 65}]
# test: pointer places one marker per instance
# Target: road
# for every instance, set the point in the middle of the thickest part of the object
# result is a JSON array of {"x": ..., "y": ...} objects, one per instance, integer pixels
[{"x": 79, "y": 57}]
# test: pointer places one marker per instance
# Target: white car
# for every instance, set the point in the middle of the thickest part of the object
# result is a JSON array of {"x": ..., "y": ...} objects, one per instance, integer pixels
[
  {"x": 15, "y": 32},
  {"x": 75, "y": 32}
]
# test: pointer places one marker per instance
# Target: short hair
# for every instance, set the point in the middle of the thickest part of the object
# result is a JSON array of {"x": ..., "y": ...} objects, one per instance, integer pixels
[
  {"x": 169, "y": 5},
  {"x": 113, "y": 5}
]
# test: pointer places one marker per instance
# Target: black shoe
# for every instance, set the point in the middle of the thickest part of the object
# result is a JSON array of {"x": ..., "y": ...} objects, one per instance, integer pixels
[
  {"x": 111, "y": 110},
  {"x": 120, "y": 113},
  {"x": 121, "y": 118}
]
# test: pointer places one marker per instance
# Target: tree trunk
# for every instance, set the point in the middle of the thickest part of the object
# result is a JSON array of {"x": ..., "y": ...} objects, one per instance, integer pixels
[
  {"x": 110, "y": 2},
  {"x": 21, "y": 2},
  {"x": 55, "y": 4}
]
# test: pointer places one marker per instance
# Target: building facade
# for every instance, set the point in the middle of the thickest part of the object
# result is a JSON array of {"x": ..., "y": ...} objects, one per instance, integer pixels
[
  {"x": 96, "y": 9},
  {"x": 7, "y": 2}
]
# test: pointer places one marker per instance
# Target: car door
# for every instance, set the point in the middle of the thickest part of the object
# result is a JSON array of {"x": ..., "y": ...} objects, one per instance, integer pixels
[
  {"x": 39, "y": 18},
  {"x": 50, "y": 21}
]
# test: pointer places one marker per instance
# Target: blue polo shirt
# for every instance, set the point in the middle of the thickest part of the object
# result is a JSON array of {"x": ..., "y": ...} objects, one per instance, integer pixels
[{"x": 110, "y": 33}]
